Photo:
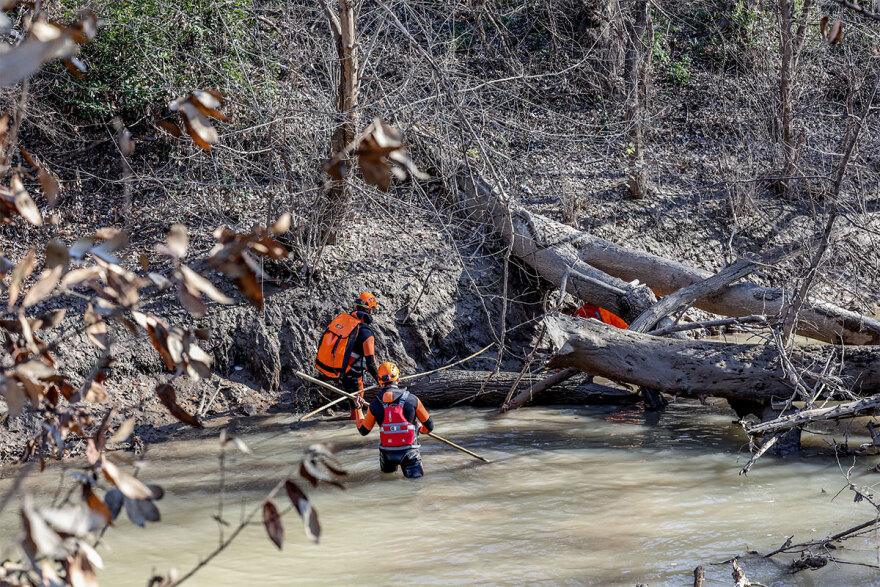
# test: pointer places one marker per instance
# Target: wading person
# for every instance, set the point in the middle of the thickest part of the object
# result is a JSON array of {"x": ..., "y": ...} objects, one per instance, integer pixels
[
  {"x": 348, "y": 348},
  {"x": 398, "y": 414}
]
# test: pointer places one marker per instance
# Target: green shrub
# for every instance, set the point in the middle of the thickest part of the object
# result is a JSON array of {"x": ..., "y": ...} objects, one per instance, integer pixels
[{"x": 147, "y": 51}]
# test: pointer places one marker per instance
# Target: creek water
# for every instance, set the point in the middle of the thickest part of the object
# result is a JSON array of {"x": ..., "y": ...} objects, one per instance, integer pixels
[{"x": 595, "y": 496}]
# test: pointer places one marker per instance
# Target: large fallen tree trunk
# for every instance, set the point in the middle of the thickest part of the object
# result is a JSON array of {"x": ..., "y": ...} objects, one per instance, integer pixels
[
  {"x": 548, "y": 246},
  {"x": 557, "y": 263},
  {"x": 699, "y": 368},
  {"x": 447, "y": 388}
]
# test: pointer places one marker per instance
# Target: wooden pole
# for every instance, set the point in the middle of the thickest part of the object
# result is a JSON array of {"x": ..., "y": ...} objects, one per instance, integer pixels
[
  {"x": 426, "y": 373},
  {"x": 350, "y": 396}
]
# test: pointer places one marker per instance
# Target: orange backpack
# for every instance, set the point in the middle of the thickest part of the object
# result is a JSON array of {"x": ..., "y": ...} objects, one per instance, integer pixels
[{"x": 334, "y": 350}]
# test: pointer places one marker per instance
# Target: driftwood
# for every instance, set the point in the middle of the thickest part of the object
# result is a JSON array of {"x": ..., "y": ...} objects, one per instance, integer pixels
[
  {"x": 698, "y": 368},
  {"x": 845, "y": 410},
  {"x": 529, "y": 392},
  {"x": 556, "y": 262},
  {"x": 553, "y": 249},
  {"x": 449, "y": 387}
]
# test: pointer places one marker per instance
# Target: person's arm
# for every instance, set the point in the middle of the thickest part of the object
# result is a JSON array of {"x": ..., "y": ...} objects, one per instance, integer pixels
[
  {"x": 364, "y": 423},
  {"x": 370, "y": 356},
  {"x": 424, "y": 417}
]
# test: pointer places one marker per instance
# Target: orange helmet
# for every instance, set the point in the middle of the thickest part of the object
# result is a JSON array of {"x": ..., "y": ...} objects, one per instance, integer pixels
[
  {"x": 367, "y": 302},
  {"x": 388, "y": 373}
]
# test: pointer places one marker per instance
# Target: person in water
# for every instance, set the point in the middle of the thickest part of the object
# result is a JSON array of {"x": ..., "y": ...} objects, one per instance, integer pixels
[{"x": 398, "y": 413}]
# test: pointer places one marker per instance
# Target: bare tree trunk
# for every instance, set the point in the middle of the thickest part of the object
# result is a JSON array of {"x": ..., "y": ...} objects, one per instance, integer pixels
[
  {"x": 546, "y": 245},
  {"x": 753, "y": 372},
  {"x": 531, "y": 238},
  {"x": 791, "y": 42},
  {"x": 342, "y": 24},
  {"x": 637, "y": 67}
]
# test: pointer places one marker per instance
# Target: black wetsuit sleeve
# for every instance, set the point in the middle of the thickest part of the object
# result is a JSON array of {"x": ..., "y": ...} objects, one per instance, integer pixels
[
  {"x": 428, "y": 424},
  {"x": 372, "y": 367},
  {"x": 367, "y": 345},
  {"x": 375, "y": 415}
]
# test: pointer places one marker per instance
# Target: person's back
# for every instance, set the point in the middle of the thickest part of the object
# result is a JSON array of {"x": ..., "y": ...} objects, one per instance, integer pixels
[
  {"x": 399, "y": 414},
  {"x": 347, "y": 348}
]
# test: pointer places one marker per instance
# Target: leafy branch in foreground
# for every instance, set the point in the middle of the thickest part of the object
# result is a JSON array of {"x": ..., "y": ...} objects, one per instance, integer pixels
[{"x": 317, "y": 457}]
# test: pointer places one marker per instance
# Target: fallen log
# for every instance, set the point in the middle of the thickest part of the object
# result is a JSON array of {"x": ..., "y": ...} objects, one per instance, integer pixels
[
  {"x": 442, "y": 390},
  {"x": 699, "y": 368},
  {"x": 789, "y": 421},
  {"x": 558, "y": 263},
  {"x": 535, "y": 234}
]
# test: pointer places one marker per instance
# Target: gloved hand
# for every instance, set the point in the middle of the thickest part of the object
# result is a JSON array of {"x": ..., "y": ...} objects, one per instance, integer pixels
[{"x": 423, "y": 430}]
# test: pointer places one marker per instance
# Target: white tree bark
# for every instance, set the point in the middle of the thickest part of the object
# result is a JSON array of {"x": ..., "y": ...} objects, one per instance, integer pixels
[
  {"x": 698, "y": 368},
  {"x": 553, "y": 248}
]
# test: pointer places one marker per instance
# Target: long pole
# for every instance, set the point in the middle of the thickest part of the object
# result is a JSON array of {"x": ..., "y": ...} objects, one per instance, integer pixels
[
  {"x": 336, "y": 401},
  {"x": 350, "y": 396}
]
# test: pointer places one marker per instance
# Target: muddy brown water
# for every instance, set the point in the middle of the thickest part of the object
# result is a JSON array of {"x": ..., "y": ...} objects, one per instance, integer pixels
[{"x": 594, "y": 496}]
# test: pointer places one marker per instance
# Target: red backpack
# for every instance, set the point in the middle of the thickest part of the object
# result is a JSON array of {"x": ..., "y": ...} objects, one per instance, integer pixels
[{"x": 397, "y": 431}]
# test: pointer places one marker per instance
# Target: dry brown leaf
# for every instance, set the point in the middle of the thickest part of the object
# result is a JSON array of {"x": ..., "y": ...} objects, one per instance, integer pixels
[
  {"x": 96, "y": 328},
  {"x": 207, "y": 103},
  {"x": 124, "y": 431},
  {"x": 28, "y": 158},
  {"x": 174, "y": 341},
  {"x": 80, "y": 572},
  {"x": 44, "y": 539},
  {"x": 168, "y": 397},
  {"x": 109, "y": 245},
  {"x": 44, "y": 286},
  {"x": 95, "y": 504},
  {"x": 72, "y": 520},
  {"x": 45, "y": 42},
  {"x": 50, "y": 319},
  {"x": 196, "y": 353},
  {"x": 281, "y": 225},
  {"x": 14, "y": 394},
  {"x": 379, "y": 146},
  {"x": 96, "y": 393},
  {"x": 126, "y": 143},
  {"x": 159, "y": 337},
  {"x": 106, "y": 233},
  {"x": 835, "y": 33},
  {"x": 197, "y": 124},
  {"x": 178, "y": 240},
  {"x": 272, "y": 522},
  {"x": 191, "y": 300},
  {"x": 57, "y": 254},
  {"x": 203, "y": 285},
  {"x": 28, "y": 334},
  {"x": 170, "y": 127},
  {"x": 250, "y": 287},
  {"x": 87, "y": 28},
  {"x": 21, "y": 272},
  {"x": 144, "y": 262},
  {"x": 267, "y": 246},
  {"x": 297, "y": 496},
  {"x": 160, "y": 281},
  {"x": 129, "y": 486},
  {"x": 198, "y": 370},
  {"x": 24, "y": 203},
  {"x": 76, "y": 67},
  {"x": 80, "y": 275}
]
